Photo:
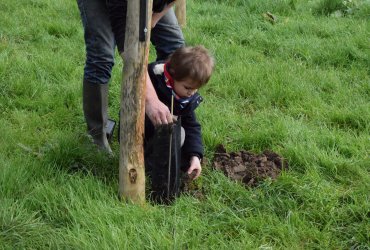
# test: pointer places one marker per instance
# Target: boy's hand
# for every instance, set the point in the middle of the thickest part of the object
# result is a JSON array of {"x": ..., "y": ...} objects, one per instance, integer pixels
[{"x": 195, "y": 168}]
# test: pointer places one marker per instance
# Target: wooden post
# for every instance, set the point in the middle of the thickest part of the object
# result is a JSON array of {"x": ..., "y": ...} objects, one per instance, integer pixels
[
  {"x": 180, "y": 11},
  {"x": 131, "y": 162}
]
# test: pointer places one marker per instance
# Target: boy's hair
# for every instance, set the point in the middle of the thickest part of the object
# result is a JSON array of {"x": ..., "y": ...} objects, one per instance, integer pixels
[{"x": 193, "y": 63}]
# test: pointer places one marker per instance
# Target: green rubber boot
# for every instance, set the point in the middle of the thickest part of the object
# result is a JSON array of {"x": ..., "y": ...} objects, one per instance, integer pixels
[{"x": 95, "y": 107}]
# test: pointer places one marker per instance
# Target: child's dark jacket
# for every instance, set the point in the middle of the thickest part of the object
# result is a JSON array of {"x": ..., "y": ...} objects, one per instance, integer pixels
[{"x": 193, "y": 145}]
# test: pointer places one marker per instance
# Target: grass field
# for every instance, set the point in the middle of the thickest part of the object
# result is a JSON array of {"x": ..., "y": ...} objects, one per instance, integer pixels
[{"x": 299, "y": 87}]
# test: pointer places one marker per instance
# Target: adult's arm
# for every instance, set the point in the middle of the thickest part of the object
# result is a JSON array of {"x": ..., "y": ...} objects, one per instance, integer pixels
[
  {"x": 156, "y": 16},
  {"x": 157, "y": 111}
]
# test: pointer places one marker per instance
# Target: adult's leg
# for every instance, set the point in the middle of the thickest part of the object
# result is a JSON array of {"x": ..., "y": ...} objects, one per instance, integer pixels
[
  {"x": 99, "y": 41},
  {"x": 167, "y": 36}
]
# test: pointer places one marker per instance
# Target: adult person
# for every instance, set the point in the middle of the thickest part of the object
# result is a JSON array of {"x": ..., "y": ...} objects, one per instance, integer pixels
[{"x": 104, "y": 24}]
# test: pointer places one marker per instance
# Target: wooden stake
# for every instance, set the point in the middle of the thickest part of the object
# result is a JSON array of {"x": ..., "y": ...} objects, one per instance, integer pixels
[
  {"x": 180, "y": 11},
  {"x": 131, "y": 162}
]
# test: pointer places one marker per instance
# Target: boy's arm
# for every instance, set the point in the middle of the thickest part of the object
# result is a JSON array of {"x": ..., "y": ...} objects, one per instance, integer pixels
[{"x": 193, "y": 146}]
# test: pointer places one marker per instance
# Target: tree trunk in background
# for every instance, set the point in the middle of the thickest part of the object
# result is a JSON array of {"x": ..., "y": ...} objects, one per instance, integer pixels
[
  {"x": 180, "y": 11},
  {"x": 131, "y": 162}
]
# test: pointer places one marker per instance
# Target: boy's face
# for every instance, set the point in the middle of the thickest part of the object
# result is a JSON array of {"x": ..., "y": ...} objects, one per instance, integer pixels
[{"x": 184, "y": 88}]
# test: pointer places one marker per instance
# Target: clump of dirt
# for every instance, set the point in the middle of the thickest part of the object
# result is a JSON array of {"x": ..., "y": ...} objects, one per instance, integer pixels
[
  {"x": 249, "y": 168},
  {"x": 192, "y": 188}
]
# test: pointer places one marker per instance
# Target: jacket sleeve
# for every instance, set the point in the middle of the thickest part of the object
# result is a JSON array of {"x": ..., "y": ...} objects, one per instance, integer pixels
[{"x": 193, "y": 136}]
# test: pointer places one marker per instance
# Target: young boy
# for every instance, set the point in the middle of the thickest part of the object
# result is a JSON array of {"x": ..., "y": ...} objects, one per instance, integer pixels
[{"x": 178, "y": 79}]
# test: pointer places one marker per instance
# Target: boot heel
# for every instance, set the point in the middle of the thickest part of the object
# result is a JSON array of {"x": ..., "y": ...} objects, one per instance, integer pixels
[{"x": 111, "y": 124}]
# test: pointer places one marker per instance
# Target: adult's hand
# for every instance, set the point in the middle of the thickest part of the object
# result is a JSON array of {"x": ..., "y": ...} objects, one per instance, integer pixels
[{"x": 157, "y": 111}]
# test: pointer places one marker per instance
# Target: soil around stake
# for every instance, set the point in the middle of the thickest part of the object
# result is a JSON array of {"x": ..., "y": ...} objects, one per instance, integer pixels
[{"x": 249, "y": 168}]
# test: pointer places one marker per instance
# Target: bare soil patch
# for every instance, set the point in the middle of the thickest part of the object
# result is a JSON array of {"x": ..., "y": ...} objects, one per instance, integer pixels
[{"x": 249, "y": 168}]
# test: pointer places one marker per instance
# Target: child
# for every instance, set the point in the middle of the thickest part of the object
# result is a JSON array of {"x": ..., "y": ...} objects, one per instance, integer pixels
[{"x": 178, "y": 79}]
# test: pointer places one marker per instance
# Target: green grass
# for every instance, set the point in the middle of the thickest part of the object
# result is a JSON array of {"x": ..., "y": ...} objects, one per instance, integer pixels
[{"x": 300, "y": 87}]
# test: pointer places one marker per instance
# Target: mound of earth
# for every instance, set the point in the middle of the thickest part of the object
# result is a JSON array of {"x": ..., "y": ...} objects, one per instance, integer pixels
[{"x": 249, "y": 168}]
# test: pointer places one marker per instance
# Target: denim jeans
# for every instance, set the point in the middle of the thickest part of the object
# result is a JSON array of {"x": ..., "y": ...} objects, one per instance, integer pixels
[{"x": 166, "y": 37}]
